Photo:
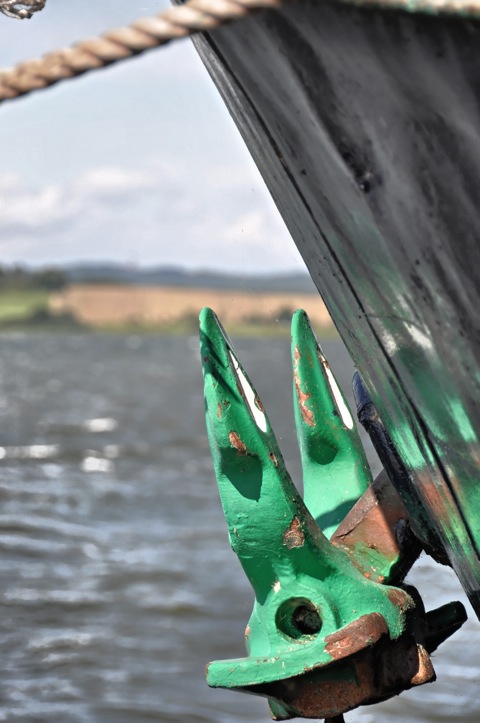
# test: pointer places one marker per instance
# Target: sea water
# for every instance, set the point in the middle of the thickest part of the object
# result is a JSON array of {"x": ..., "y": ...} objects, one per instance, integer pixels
[{"x": 117, "y": 583}]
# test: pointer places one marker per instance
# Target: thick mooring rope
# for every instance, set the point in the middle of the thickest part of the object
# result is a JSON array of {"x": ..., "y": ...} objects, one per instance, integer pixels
[
  {"x": 145, "y": 34},
  {"x": 21, "y": 9}
]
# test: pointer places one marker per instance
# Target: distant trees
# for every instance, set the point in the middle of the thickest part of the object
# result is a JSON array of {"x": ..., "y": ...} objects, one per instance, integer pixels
[
  {"x": 50, "y": 279},
  {"x": 18, "y": 278}
]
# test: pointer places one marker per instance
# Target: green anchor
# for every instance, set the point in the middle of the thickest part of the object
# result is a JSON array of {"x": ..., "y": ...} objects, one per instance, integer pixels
[{"x": 319, "y": 626}]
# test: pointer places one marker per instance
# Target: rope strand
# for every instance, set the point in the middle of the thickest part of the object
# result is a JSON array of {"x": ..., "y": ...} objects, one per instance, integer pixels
[{"x": 144, "y": 34}]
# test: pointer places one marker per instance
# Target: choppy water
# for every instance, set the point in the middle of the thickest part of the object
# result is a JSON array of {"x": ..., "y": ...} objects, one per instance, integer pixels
[{"x": 117, "y": 581}]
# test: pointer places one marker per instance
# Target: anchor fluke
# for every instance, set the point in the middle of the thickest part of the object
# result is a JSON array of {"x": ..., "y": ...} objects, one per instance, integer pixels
[{"x": 335, "y": 469}]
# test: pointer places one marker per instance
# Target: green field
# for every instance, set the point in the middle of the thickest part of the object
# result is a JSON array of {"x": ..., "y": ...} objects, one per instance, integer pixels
[
  {"x": 28, "y": 310},
  {"x": 22, "y": 306}
]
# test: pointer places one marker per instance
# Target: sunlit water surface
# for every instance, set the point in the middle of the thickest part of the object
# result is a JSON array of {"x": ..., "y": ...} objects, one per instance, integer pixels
[{"x": 117, "y": 580}]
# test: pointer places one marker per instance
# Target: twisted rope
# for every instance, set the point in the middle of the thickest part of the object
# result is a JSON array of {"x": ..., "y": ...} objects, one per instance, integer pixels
[
  {"x": 145, "y": 34},
  {"x": 21, "y": 9}
]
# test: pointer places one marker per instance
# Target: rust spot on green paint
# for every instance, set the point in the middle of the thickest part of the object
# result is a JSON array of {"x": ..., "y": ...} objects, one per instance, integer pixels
[
  {"x": 400, "y": 599},
  {"x": 236, "y": 442},
  {"x": 273, "y": 458},
  {"x": 293, "y": 535},
  {"x": 302, "y": 396}
]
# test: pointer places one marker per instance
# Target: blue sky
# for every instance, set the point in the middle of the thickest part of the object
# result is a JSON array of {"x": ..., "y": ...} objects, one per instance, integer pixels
[{"x": 138, "y": 163}]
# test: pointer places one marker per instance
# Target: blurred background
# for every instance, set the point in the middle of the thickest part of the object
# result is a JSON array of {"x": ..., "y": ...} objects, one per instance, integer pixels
[{"x": 127, "y": 202}]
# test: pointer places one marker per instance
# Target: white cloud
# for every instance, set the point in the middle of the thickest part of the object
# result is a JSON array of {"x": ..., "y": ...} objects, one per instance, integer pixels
[
  {"x": 114, "y": 181},
  {"x": 137, "y": 163},
  {"x": 24, "y": 207},
  {"x": 165, "y": 213}
]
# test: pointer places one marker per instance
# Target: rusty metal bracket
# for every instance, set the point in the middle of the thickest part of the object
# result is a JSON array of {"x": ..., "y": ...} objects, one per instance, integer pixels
[{"x": 376, "y": 534}]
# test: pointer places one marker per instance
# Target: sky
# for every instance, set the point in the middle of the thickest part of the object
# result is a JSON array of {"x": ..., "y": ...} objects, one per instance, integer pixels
[{"x": 139, "y": 163}]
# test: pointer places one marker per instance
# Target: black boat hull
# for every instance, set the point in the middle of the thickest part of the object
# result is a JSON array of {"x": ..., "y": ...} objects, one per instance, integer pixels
[{"x": 365, "y": 124}]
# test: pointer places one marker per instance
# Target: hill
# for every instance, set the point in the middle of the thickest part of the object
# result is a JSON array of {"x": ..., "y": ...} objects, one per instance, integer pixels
[{"x": 111, "y": 273}]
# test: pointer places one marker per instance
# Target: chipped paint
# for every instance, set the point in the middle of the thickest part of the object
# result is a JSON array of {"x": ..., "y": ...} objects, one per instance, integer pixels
[
  {"x": 293, "y": 535},
  {"x": 400, "y": 599},
  {"x": 302, "y": 396},
  {"x": 258, "y": 403},
  {"x": 236, "y": 442}
]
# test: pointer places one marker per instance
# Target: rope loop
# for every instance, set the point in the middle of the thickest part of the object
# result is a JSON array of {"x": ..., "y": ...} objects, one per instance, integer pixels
[{"x": 21, "y": 9}]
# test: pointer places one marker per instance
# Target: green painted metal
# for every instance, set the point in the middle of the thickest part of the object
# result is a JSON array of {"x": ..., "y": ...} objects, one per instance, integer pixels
[
  {"x": 335, "y": 469},
  {"x": 306, "y": 589}
]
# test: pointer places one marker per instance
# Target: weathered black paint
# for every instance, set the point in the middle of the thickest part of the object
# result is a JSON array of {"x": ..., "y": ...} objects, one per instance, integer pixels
[{"x": 365, "y": 124}]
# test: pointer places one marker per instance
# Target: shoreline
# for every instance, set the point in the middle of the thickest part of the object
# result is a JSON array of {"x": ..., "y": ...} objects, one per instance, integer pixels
[
  {"x": 252, "y": 330},
  {"x": 170, "y": 311}
]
